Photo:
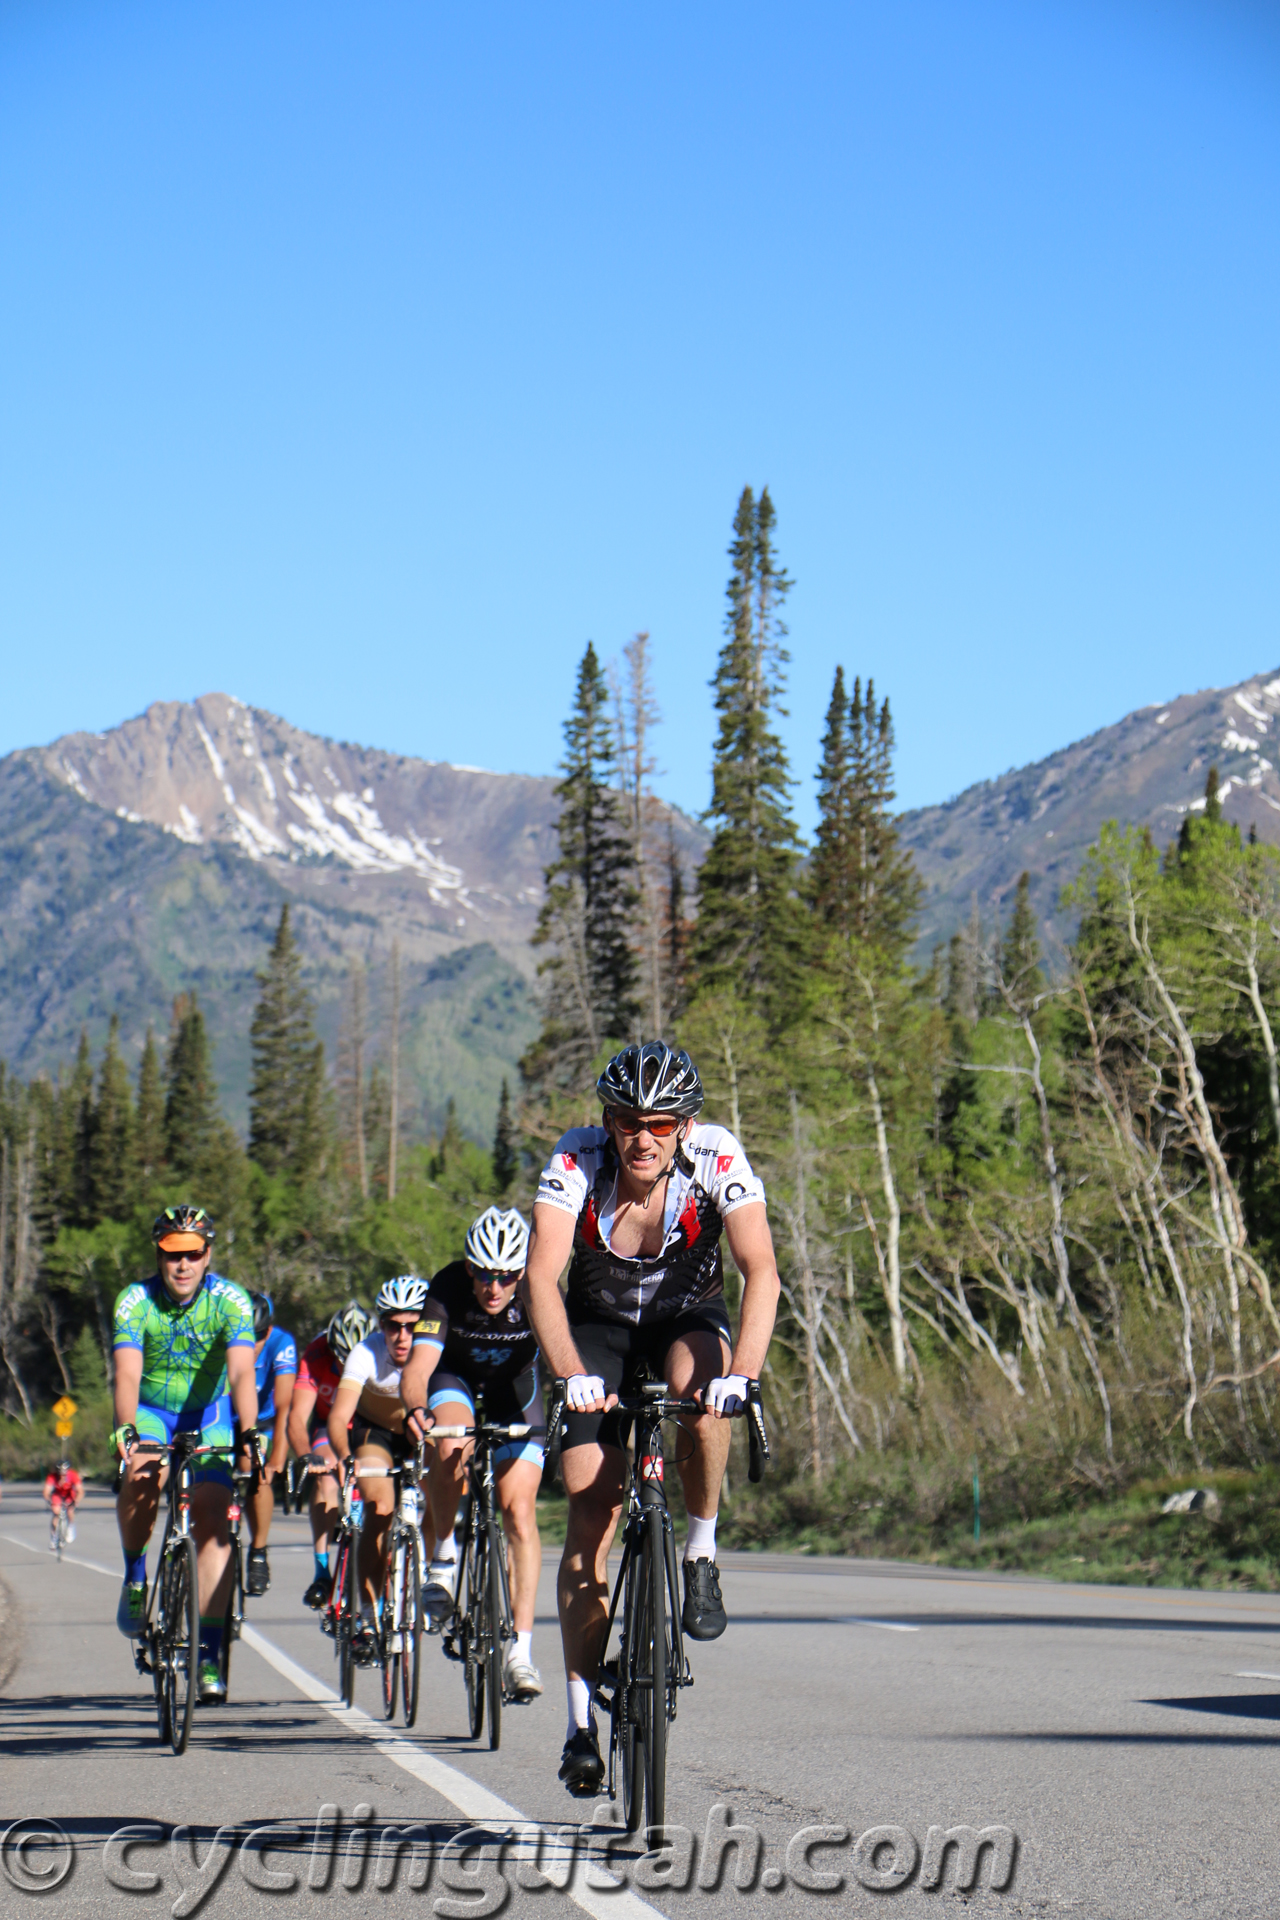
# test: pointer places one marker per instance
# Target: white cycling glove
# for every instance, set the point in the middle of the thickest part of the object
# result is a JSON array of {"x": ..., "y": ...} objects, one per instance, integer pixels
[
  {"x": 726, "y": 1395},
  {"x": 580, "y": 1389}
]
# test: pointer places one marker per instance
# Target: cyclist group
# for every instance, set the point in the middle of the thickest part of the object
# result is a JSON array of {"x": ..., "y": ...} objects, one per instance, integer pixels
[{"x": 636, "y": 1209}]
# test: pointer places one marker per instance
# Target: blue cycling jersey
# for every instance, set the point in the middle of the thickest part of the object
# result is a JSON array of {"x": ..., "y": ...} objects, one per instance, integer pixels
[{"x": 279, "y": 1355}]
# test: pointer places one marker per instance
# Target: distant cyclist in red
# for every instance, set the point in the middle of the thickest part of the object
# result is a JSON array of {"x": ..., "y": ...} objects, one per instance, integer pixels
[{"x": 62, "y": 1488}]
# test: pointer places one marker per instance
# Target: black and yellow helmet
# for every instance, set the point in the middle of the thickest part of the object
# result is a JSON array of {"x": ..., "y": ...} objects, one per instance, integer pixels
[{"x": 182, "y": 1230}]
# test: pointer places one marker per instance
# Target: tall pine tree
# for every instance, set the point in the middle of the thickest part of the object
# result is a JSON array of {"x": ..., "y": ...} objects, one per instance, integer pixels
[
  {"x": 191, "y": 1097},
  {"x": 750, "y": 935},
  {"x": 589, "y": 972},
  {"x": 112, "y": 1145},
  {"x": 149, "y": 1129},
  {"x": 506, "y": 1162},
  {"x": 286, "y": 1099},
  {"x": 865, "y": 885}
]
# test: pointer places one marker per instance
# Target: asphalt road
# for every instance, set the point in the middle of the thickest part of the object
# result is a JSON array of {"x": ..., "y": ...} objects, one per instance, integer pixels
[{"x": 1129, "y": 1739}]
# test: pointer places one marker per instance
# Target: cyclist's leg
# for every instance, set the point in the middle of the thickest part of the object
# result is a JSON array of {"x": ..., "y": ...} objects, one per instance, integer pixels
[
  {"x": 591, "y": 1465},
  {"x": 519, "y": 1475},
  {"x": 699, "y": 1351},
  {"x": 378, "y": 1493},
  {"x": 324, "y": 1503},
  {"x": 262, "y": 1501},
  {"x": 211, "y": 1525},
  {"x": 450, "y": 1405},
  {"x": 141, "y": 1485}
]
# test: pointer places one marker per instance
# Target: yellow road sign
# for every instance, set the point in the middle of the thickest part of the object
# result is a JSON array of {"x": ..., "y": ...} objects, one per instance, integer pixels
[
  {"x": 65, "y": 1409},
  {"x": 63, "y": 1429}
]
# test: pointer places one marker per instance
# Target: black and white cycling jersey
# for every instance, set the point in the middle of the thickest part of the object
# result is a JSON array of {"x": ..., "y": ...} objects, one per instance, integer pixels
[{"x": 710, "y": 1178}]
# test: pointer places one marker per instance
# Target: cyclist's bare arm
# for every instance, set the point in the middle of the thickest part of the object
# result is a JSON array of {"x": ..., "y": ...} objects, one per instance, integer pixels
[
  {"x": 550, "y": 1245},
  {"x": 416, "y": 1379},
  {"x": 751, "y": 1244},
  {"x": 280, "y": 1444},
  {"x": 345, "y": 1401},
  {"x": 301, "y": 1405},
  {"x": 128, "y": 1382},
  {"x": 243, "y": 1385}
]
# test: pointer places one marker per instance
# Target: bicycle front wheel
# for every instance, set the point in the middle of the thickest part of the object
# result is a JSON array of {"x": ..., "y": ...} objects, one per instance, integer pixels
[
  {"x": 411, "y": 1627},
  {"x": 344, "y": 1620},
  {"x": 389, "y": 1635},
  {"x": 181, "y": 1639},
  {"x": 473, "y": 1633},
  {"x": 645, "y": 1724},
  {"x": 493, "y": 1635}
]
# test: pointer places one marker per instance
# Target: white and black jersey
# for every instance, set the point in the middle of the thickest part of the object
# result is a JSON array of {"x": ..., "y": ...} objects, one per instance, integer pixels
[{"x": 710, "y": 1177}]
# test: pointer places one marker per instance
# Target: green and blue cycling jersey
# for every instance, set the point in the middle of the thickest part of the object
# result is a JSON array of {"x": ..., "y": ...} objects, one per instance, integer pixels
[{"x": 184, "y": 1354}]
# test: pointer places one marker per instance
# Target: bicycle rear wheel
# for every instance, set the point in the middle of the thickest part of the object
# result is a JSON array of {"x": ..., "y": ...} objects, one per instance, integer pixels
[
  {"x": 627, "y": 1739},
  {"x": 493, "y": 1634},
  {"x": 473, "y": 1633},
  {"x": 411, "y": 1628},
  {"x": 181, "y": 1639}
]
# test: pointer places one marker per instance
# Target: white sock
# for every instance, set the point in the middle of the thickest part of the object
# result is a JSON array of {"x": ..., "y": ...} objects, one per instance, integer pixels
[
  {"x": 523, "y": 1649},
  {"x": 579, "y": 1705},
  {"x": 446, "y": 1551},
  {"x": 701, "y": 1544}
]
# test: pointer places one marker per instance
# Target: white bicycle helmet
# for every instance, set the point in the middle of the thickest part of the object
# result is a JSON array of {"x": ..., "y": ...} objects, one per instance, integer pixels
[
  {"x": 348, "y": 1327},
  {"x": 404, "y": 1294},
  {"x": 498, "y": 1241}
]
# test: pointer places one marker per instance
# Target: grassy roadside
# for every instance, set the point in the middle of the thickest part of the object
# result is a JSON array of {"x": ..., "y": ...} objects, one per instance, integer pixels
[{"x": 1123, "y": 1541}]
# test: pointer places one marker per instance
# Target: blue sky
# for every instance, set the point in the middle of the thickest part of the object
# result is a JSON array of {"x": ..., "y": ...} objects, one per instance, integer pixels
[{"x": 364, "y": 362}]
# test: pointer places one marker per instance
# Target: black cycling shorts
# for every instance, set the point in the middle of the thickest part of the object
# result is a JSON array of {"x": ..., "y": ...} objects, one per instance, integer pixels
[
  {"x": 397, "y": 1445},
  {"x": 617, "y": 1352}
]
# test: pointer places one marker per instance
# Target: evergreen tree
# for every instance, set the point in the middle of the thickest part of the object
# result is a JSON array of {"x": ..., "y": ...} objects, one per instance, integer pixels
[
  {"x": 831, "y": 869},
  {"x": 750, "y": 935},
  {"x": 590, "y": 970},
  {"x": 191, "y": 1097},
  {"x": 286, "y": 1099},
  {"x": 677, "y": 927},
  {"x": 506, "y": 1163},
  {"x": 149, "y": 1125},
  {"x": 884, "y": 889},
  {"x": 112, "y": 1161},
  {"x": 1020, "y": 969}
]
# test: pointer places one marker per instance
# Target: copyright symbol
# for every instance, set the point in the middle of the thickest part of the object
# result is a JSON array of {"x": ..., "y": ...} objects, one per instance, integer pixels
[{"x": 36, "y": 1855}]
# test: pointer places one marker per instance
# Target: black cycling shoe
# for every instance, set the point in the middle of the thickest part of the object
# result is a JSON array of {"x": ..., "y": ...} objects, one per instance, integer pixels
[
  {"x": 317, "y": 1594},
  {"x": 703, "y": 1616},
  {"x": 581, "y": 1767},
  {"x": 258, "y": 1572},
  {"x": 364, "y": 1644}
]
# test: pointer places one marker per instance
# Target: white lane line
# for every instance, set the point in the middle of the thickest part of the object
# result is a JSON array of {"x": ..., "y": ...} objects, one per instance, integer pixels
[
  {"x": 888, "y": 1626},
  {"x": 1249, "y": 1674},
  {"x": 459, "y": 1789},
  {"x": 71, "y": 1558}
]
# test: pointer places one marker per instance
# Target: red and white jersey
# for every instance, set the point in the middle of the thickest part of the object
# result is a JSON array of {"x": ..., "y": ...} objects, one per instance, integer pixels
[
  {"x": 710, "y": 1178},
  {"x": 64, "y": 1487}
]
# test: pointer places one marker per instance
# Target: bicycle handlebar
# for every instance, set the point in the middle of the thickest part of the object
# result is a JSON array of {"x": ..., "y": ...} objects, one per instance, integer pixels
[{"x": 654, "y": 1395}]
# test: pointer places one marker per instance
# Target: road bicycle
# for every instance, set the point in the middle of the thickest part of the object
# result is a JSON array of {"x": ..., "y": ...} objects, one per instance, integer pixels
[
  {"x": 400, "y": 1620},
  {"x": 59, "y": 1528},
  {"x": 340, "y": 1615},
  {"x": 169, "y": 1645},
  {"x": 640, "y": 1681},
  {"x": 480, "y": 1624}
]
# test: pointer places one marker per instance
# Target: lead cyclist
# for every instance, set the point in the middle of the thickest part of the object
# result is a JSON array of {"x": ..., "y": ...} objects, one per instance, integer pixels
[
  {"x": 636, "y": 1207},
  {"x": 183, "y": 1358}
]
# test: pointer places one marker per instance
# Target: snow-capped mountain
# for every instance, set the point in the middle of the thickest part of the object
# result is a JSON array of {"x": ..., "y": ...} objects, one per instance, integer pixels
[{"x": 1147, "y": 770}]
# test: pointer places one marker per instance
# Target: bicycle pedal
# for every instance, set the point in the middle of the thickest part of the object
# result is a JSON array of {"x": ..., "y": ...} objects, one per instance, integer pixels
[{"x": 326, "y": 1625}]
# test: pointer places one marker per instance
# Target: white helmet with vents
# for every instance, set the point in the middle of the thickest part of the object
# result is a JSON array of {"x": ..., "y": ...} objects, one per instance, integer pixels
[
  {"x": 405, "y": 1294},
  {"x": 498, "y": 1241}
]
